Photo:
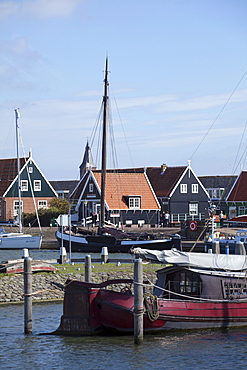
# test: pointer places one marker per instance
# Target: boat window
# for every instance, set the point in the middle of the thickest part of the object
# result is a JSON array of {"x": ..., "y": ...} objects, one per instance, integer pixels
[
  {"x": 183, "y": 282},
  {"x": 234, "y": 289}
]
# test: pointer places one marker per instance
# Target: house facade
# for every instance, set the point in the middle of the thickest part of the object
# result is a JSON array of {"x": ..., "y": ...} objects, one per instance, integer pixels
[
  {"x": 237, "y": 197},
  {"x": 36, "y": 191},
  {"x": 129, "y": 198},
  {"x": 180, "y": 192},
  {"x": 218, "y": 188}
]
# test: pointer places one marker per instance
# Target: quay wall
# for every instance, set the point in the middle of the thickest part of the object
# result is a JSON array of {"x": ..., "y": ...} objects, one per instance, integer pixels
[{"x": 50, "y": 286}]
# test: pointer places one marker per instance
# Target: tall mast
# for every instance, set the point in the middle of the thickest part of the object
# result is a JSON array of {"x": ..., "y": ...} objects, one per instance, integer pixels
[
  {"x": 103, "y": 163},
  {"x": 17, "y": 116}
]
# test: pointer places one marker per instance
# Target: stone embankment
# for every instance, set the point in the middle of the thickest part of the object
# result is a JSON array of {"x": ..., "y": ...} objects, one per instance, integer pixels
[{"x": 50, "y": 286}]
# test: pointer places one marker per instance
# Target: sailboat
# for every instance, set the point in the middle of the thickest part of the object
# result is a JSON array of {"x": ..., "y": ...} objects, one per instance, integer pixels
[
  {"x": 19, "y": 240},
  {"x": 116, "y": 240}
]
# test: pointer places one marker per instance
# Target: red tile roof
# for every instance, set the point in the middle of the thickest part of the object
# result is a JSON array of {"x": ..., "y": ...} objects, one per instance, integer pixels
[
  {"x": 121, "y": 185},
  {"x": 8, "y": 172},
  {"x": 239, "y": 190}
]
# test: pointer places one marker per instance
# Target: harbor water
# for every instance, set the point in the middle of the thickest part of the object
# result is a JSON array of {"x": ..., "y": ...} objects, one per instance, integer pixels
[
  {"x": 214, "y": 349},
  {"x": 208, "y": 349}
]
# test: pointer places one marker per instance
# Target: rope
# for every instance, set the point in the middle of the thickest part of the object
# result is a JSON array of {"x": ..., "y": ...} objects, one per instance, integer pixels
[
  {"x": 152, "y": 306},
  {"x": 41, "y": 291}
]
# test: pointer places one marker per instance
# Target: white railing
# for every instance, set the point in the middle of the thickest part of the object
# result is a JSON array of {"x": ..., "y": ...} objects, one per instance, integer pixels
[{"x": 183, "y": 217}]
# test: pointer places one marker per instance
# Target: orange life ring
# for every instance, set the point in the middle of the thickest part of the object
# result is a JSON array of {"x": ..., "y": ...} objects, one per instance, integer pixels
[{"x": 193, "y": 225}]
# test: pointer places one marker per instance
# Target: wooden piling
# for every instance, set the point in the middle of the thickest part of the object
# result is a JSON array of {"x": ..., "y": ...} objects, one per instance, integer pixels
[
  {"x": 28, "y": 321},
  {"x": 88, "y": 269},
  {"x": 138, "y": 301}
]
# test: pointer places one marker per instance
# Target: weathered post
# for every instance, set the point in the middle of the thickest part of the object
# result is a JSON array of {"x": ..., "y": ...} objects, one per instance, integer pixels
[
  {"x": 240, "y": 248},
  {"x": 138, "y": 301},
  {"x": 88, "y": 269},
  {"x": 216, "y": 246},
  {"x": 28, "y": 321}
]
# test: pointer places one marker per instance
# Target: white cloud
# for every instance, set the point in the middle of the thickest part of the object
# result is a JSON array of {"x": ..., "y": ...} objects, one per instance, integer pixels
[{"x": 40, "y": 9}]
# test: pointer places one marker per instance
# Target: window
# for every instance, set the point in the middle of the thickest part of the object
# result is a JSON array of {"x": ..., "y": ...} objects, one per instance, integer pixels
[
  {"x": 193, "y": 209},
  {"x": 194, "y": 188},
  {"x": 24, "y": 185},
  {"x": 134, "y": 202},
  {"x": 30, "y": 169},
  {"x": 42, "y": 204},
  {"x": 234, "y": 289},
  {"x": 183, "y": 282},
  {"x": 241, "y": 210},
  {"x": 232, "y": 212},
  {"x": 215, "y": 193},
  {"x": 90, "y": 188},
  {"x": 16, "y": 207},
  {"x": 183, "y": 188},
  {"x": 37, "y": 185}
]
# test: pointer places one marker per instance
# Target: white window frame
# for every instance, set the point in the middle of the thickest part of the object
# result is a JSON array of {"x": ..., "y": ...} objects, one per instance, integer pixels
[
  {"x": 37, "y": 185},
  {"x": 24, "y": 185},
  {"x": 241, "y": 210},
  {"x": 30, "y": 169},
  {"x": 42, "y": 204},
  {"x": 194, "y": 188},
  {"x": 16, "y": 207},
  {"x": 193, "y": 209},
  {"x": 134, "y": 202},
  {"x": 183, "y": 188},
  {"x": 90, "y": 188}
]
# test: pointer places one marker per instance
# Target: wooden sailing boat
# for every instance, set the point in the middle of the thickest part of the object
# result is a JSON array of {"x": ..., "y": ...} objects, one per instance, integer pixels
[
  {"x": 192, "y": 291},
  {"x": 19, "y": 240},
  {"x": 116, "y": 240}
]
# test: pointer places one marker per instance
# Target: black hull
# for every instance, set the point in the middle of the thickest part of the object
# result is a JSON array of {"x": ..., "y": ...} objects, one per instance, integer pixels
[{"x": 117, "y": 247}]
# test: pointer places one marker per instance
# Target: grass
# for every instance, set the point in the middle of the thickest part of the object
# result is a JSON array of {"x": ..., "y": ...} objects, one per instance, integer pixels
[{"x": 105, "y": 268}]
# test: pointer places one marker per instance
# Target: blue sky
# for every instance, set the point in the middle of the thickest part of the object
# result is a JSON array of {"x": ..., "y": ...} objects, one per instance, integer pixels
[{"x": 178, "y": 82}]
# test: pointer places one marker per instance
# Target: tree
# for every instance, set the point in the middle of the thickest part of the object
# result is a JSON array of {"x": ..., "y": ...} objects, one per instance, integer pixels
[{"x": 60, "y": 204}]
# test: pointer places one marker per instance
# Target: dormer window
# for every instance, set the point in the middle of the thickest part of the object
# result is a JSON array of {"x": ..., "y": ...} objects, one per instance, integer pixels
[{"x": 134, "y": 202}]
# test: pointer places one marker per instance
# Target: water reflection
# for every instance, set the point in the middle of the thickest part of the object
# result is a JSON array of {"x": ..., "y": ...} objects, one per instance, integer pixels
[{"x": 179, "y": 350}]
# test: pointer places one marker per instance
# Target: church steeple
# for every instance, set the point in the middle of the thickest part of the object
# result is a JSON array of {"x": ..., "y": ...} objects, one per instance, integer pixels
[{"x": 87, "y": 162}]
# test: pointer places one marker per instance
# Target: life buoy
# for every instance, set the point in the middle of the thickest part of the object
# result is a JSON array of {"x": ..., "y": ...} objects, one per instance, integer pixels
[{"x": 193, "y": 225}]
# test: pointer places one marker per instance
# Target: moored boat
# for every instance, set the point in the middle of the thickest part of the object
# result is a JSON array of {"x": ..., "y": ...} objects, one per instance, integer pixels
[
  {"x": 115, "y": 240},
  {"x": 192, "y": 291}
]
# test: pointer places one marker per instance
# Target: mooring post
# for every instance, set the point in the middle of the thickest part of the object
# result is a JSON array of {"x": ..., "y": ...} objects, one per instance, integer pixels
[
  {"x": 104, "y": 254},
  {"x": 138, "y": 301},
  {"x": 28, "y": 321},
  {"x": 63, "y": 254},
  {"x": 88, "y": 268}
]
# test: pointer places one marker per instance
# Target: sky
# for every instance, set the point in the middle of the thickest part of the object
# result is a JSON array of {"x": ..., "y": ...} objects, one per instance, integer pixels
[{"x": 178, "y": 82}]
